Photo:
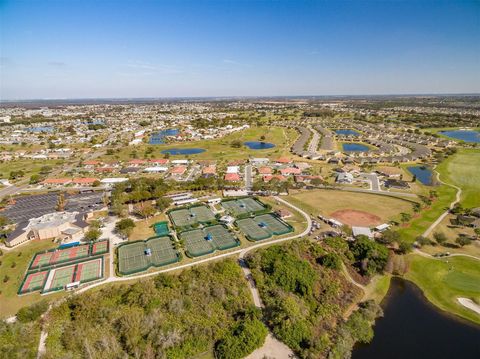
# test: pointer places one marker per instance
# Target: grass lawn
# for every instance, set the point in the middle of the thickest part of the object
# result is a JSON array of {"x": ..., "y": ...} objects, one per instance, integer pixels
[
  {"x": 463, "y": 170},
  {"x": 220, "y": 148},
  {"x": 143, "y": 229},
  {"x": 377, "y": 288},
  {"x": 10, "y": 302},
  {"x": 443, "y": 280},
  {"x": 325, "y": 202},
  {"x": 26, "y": 165}
]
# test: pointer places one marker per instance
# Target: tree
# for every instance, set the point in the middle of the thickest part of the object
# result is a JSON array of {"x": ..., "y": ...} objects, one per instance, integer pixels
[
  {"x": 145, "y": 209},
  {"x": 463, "y": 241},
  {"x": 389, "y": 237},
  {"x": 163, "y": 203},
  {"x": 35, "y": 178},
  {"x": 93, "y": 234},
  {"x": 236, "y": 144},
  {"x": 125, "y": 226},
  {"x": 416, "y": 207},
  {"x": 405, "y": 217},
  {"x": 60, "y": 202},
  {"x": 33, "y": 312},
  {"x": 371, "y": 256},
  {"x": 440, "y": 237},
  {"x": 331, "y": 260}
]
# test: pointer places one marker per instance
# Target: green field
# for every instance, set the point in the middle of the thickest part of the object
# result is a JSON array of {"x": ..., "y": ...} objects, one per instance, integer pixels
[
  {"x": 463, "y": 170},
  {"x": 325, "y": 202},
  {"x": 442, "y": 281},
  {"x": 221, "y": 149}
]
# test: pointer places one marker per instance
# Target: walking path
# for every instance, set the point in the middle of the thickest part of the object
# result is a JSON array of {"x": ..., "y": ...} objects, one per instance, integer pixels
[{"x": 444, "y": 214}]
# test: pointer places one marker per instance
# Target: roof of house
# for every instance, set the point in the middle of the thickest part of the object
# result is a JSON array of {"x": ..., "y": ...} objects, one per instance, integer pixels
[
  {"x": 178, "y": 170},
  {"x": 283, "y": 160},
  {"x": 91, "y": 163},
  {"x": 290, "y": 171},
  {"x": 209, "y": 170},
  {"x": 265, "y": 171},
  {"x": 162, "y": 161},
  {"x": 232, "y": 177},
  {"x": 57, "y": 180}
]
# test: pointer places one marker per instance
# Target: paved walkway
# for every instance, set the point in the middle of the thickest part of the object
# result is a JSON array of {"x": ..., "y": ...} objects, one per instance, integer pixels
[{"x": 444, "y": 214}]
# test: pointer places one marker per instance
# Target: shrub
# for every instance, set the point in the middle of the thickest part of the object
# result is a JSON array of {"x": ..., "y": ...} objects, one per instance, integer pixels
[
  {"x": 33, "y": 312},
  {"x": 331, "y": 260}
]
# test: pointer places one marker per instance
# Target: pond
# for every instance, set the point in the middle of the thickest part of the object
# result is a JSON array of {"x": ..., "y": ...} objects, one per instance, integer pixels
[
  {"x": 355, "y": 147},
  {"x": 258, "y": 145},
  {"x": 159, "y": 137},
  {"x": 464, "y": 135},
  {"x": 184, "y": 151},
  {"x": 347, "y": 132},
  {"x": 40, "y": 129},
  {"x": 423, "y": 174},
  {"x": 414, "y": 328}
]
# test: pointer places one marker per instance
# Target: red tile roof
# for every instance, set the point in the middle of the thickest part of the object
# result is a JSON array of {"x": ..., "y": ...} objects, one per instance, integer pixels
[
  {"x": 290, "y": 171},
  {"x": 179, "y": 170},
  {"x": 265, "y": 171},
  {"x": 268, "y": 178},
  {"x": 57, "y": 180},
  {"x": 233, "y": 177}
]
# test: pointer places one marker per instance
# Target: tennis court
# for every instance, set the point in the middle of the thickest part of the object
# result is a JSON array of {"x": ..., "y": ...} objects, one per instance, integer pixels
[
  {"x": 273, "y": 224},
  {"x": 59, "y": 256},
  {"x": 89, "y": 270},
  {"x": 132, "y": 258},
  {"x": 33, "y": 282},
  {"x": 204, "y": 241},
  {"x": 222, "y": 238},
  {"x": 252, "y": 230},
  {"x": 161, "y": 228},
  {"x": 243, "y": 206},
  {"x": 163, "y": 251},
  {"x": 59, "y": 277},
  {"x": 141, "y": 255},
  {"x": 191, "y": 216},
  {"x": 196, "y": 243},
  {"x": 99, "y": 248}
]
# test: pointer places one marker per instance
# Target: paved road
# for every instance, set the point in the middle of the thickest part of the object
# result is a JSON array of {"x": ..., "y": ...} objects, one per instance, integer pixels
[
  {"x": 313, "y": 145},
  {"x": 374, "y": 181}
]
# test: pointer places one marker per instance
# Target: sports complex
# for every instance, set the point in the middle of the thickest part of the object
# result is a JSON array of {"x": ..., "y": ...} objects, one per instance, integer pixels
[
  {"x": 59, "y": 269},
  {"x": 199, "y": 232}
]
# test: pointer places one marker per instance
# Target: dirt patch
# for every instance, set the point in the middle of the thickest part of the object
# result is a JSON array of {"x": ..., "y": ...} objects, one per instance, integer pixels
[{"x": 353, "y": 217}]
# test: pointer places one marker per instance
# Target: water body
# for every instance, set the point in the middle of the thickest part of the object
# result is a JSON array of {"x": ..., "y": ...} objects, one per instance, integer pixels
[
  {"x": 355, "y": 147},
  {"x": 40, "y": 129},
  {"x": 347, "y": 132},
  {"x": 184, "y": 151},
  {"x": 424, "y": 174},
  {"x": 159, "y": 137},
  {"x": 258, "y": 145},
  {"x": 413, "y": 328},
  {"x": 467, "y": 136}
]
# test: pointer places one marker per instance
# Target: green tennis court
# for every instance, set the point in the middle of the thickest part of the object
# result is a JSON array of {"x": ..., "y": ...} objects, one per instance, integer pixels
[
  {"x": 203, "y": 214},
  {"x": 141, "y": 255},
  {"x": 196, "y": 243},
  {"x": 204, "y": 241},
  {"x": 33, "y": 282},
  {"x": 273, "y": 224},
  {"x": 89, "y": 270},
  {"x": 59, "y": 277},
  {"x": 222, "y": 238},
  {"x": 99, "y": 248},
  {"x": 132, "y": 258},
  {"x": 243, "y": 206},
  {"x": 163, "y": 251},
  {"x": 161, "y": 228},
  {"x": 188, "y": 217},
  {"x": 252, "y": 230}
]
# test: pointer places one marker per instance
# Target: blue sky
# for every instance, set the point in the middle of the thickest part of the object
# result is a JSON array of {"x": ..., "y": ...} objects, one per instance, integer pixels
[{"x": 87, "y": 49}]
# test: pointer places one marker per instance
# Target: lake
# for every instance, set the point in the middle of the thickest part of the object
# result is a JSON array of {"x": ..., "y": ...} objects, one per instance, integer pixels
[
  {"x": 424, "y": 174},
  {"x": 159, "y": 137},
  {"x": 355, "y": 147},
  {"x": 414, "y": 328},
  {"x": 184, "y": 151},
  {"x": 467, "y": 135},
  {"x": 347, "y": 132},
  {"x": 258, "y": 145}
]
